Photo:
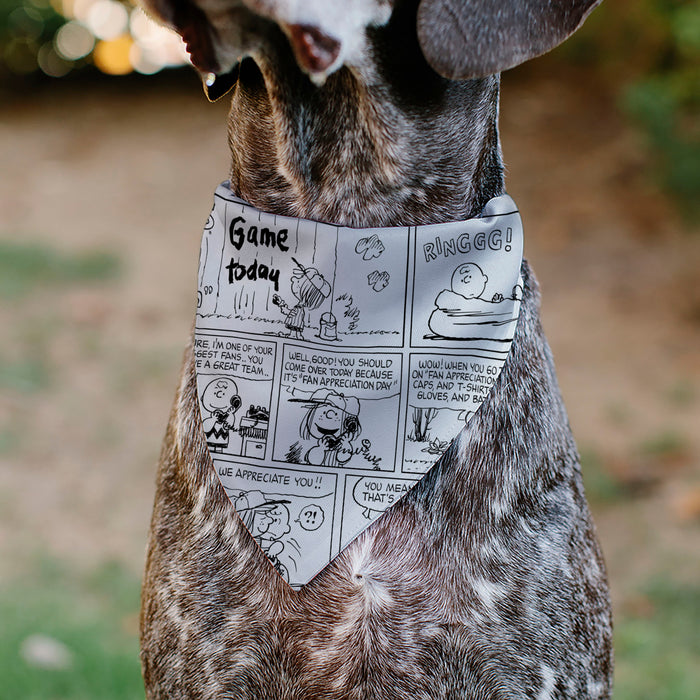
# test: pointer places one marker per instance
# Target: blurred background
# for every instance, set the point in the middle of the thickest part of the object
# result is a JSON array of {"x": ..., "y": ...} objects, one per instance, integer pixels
[{"x": 109, "y": 156}]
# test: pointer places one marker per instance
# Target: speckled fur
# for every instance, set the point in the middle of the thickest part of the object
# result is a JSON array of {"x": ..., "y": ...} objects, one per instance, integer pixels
[{"x": 486, "y": 581}]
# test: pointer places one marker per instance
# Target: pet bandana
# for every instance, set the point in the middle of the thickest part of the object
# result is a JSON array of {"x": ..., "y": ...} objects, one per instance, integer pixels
[{"x": 335, "y": 365}]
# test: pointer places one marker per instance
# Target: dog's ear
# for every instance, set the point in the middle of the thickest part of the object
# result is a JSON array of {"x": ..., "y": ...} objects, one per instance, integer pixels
[{"x": 473, "y": 38}]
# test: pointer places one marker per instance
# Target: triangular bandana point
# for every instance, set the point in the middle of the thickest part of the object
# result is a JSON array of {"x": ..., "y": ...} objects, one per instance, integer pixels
[{"x": 335, "y": 365}]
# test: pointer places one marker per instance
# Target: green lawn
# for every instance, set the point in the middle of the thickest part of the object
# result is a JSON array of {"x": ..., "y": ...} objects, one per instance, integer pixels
[
  {"x": 94, "y": 618},
  {"x": 658, "y": 648}
]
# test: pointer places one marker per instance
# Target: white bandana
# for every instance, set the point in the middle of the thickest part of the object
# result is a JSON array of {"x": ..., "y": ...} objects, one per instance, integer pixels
[{"x": 335, "y": 365}]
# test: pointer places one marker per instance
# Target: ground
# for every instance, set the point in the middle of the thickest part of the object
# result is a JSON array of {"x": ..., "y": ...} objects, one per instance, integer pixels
[{"x": 91, "y": 346}]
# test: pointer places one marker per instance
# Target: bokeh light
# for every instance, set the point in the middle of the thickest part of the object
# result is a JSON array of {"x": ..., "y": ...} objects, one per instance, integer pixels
[
  {"x": 112, "y": 56},
  {"x": 58, "y": 36},
  {"x": 52, "y": 63},
  {"x": 73, "y": 41},
  {"x": 107, "y": 19}
]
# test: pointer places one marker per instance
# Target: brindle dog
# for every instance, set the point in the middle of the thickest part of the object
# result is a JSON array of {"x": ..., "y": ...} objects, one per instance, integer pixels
[{"x": 486, "y": 581}]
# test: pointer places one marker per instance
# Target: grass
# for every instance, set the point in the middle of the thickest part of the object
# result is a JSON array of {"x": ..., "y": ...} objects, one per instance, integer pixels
[
  {"x": 25, "y": 376},
  {"x": 95, "y": 618},
  {"x": 602, "y": 487},
  {"x": 658, "y": 649},
  {"x": 664, "y": 445},
  {"x": 25, "y": 267}
]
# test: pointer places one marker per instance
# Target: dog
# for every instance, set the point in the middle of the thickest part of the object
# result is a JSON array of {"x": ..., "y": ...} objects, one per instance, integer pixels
[{"x": 486, "y": 580}]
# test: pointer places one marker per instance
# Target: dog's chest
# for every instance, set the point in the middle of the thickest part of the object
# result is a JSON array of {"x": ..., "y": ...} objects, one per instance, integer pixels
[{"x": 434, "y": 601}]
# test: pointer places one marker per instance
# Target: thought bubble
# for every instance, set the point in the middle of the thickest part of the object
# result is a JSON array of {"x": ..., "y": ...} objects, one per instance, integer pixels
[{"x": 311, "y": 517}]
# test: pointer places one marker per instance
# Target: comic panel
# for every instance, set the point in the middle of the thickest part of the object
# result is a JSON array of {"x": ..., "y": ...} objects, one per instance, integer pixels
[
  {"x": 443, "y": 393},
  {"x": 467, "y": 286},
  {"x": 370, "y": 286},
  {"x": 301, "y": 279},
  {"x": 366, "y": 498},
  {"x": 338, "y": 409},
  {"x": 234, "y": 385},
  {"x": 288, "y": 513}
]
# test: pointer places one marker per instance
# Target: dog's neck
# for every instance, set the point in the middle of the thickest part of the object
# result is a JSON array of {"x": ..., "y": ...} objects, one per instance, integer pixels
[{"x": 389, "y": 143}]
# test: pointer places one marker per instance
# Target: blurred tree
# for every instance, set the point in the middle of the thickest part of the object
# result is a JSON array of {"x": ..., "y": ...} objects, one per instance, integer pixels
[
  {"x": 648, "y": 51},
  {"x": 56, "y": 37},
  {"x": 27, "y": 30}
]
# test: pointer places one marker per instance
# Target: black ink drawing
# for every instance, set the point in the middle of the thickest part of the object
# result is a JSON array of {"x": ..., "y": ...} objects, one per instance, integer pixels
[
  {"x": 310, "y": 289},
  {"x": 220, "y": 397},
  {"x": 351, "y": 313},
  {"x": 253, "y": 429},
  {"x": 436, "y": 446},
  {"x": 331, "y": 425},
  {"x": 430, "y": 430},
  {"x": 311, "y": 517},
  {"x": 465, "y": 311},
  {"x": 422, "y": 418},
  {"x": 370, "y": 247},
  {"x": 378, "y": 280},
  {"x": 267, "y": 520}
]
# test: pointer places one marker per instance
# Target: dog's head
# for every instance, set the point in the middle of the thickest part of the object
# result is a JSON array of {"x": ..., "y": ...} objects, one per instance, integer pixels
[{"x": 460, "y": 39}]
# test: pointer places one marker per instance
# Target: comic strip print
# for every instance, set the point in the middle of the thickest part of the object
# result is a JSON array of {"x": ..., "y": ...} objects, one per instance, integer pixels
[
  {"x": 462, "y": 310},
  {"x": 234, "y": 382},
  {"x": 335, "y": 366},
  {"x": 338, "y": 409},
  {"x": 301, "y": 282},
  {"x": 444, "y": 392},
  {"x": 288, "y": 513},
  {"x": 220, "y": 399},
  {"x": 471, "y": 282}
]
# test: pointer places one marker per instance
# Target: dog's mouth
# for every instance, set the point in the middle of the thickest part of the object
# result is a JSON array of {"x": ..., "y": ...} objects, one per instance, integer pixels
[
  {"x": 216, "y": 86},
  {"x": 316, "y": 53}
]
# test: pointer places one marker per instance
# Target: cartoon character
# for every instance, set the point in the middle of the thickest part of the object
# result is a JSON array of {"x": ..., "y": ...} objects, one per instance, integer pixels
[
  {"x": 463, "y": 312},
  {"x": 310, "y": 289},
  {"x": 220, "y": 397},
  {"x": 468, "y": 282},
  {"x": 332, "y": 421},
  {"x": 267, "y": 520}
]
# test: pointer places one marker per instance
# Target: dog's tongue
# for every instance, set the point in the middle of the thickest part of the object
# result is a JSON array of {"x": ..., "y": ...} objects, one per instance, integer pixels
[{"x": 314, "y": 50}]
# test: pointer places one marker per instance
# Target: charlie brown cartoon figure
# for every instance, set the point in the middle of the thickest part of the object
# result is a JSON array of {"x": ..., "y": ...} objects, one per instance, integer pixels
[
  {"x": 468, "y": 282},
  {"x": 465, "y": 310},
  {"x": 220, "y": 397}
]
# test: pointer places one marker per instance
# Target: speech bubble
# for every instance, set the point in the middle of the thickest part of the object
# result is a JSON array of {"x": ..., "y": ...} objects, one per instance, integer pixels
[
  {"x": 375, "y": 495},
  {"x": 451, "y": 382},
  {"x": 349, "y": 373},
  {"x": 235, "y": 357},
  {"x": 311, "y": 517}
]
